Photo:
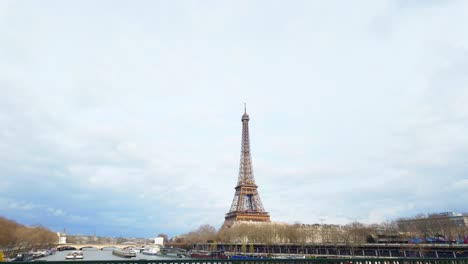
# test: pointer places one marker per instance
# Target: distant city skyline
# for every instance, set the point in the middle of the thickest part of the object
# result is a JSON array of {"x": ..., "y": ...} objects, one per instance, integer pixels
[{"x": 122, "y": 118}]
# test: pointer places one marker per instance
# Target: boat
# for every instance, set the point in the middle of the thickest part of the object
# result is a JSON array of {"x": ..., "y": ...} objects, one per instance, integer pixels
[
  {"x": 201, "y": 254},
  {"x": 240, "y": 256},
  {"x": 42, "y": 253},
  {"x": 65, "y": 248},
  {"x": 23, "y": 257},
  {"x": 75, "y": 255},
  {"x": 173, "y": 252},
  {"x": 134, "y": 249},
  {"x": 125, "y": 253},
  {"x": 153, "y": 250}
]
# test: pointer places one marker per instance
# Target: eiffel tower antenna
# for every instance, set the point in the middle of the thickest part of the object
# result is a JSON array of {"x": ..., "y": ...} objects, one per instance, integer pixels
[{"x": 246, "y": 204}]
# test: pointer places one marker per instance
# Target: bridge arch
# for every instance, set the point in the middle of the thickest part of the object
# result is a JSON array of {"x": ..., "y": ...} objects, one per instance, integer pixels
[
  {"x": 92, "y": 246},
  {"x": 60, "y": 248},
  {"x": 89, "y": 247},
  {"x": 112, "y": 247}
]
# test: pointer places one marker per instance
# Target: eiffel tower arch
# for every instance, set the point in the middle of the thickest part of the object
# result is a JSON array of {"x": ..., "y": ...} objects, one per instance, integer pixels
[{"x": 246, "y": 205}]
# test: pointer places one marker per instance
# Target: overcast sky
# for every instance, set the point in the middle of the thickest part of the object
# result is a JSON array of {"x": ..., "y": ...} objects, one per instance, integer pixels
[{"x": 123, "y": 118}]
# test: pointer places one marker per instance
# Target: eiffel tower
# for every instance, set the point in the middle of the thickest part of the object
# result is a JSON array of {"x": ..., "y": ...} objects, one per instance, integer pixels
[{"x": 246, "y": 205}]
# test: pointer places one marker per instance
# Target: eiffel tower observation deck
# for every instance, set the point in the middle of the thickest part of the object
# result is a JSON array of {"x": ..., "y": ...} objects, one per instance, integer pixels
[{"x": 246, "y": 205}]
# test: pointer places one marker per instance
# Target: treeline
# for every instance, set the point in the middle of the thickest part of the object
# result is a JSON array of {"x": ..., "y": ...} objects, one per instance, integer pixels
[
  {"x": 272, "y": 233},
  {"x": 297, "y": 233},
  {"x": 420, "y": 229},
  {"x": 205, "y": 233},
  {"x": 14, "y": 235}
]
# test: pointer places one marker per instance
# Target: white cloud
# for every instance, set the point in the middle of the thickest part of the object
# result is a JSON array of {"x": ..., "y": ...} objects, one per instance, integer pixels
[
  {"x": 357, "y": 110},
  {"x": 56, "y": 212},
  {"x": 7, "y": 204}
]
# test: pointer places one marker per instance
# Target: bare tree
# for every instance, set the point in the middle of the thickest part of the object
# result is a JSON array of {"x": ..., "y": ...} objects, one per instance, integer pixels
[{"x": 203, "y": 234}]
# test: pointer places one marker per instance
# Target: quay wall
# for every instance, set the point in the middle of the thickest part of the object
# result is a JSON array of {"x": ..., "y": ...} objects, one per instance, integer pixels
[{"x": 361, "y": 250}]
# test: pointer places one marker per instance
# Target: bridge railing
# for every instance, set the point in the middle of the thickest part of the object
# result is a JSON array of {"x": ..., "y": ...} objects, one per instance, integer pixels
[{"x": 273, "y": 261}]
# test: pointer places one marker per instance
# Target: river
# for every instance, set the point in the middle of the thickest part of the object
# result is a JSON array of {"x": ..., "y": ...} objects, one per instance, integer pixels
[{"x": 94, "y": 254}]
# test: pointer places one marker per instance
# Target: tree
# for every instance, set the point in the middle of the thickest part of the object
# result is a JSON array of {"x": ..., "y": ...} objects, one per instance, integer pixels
[
  {"x": 14, "y": 235},
  {"x": 7, "y": 231},
  {"x": 121, "y": 240},
  {"x": 370, "y": 239},
  {"x": 358, "y": 232},
  {"x": 202, "y": 234},
  {"x": 244, "y": 248},
  {"x": 214, "y": 246},
  {"x": 73, "y": 240},
  {"x": 251, "y": 248}
]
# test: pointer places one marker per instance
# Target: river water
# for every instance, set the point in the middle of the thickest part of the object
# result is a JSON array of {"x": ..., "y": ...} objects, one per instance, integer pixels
[{"x": 94, "y": 254}]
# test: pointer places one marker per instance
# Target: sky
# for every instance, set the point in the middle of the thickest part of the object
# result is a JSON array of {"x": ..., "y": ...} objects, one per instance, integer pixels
[{"x": 123, "y": 118}]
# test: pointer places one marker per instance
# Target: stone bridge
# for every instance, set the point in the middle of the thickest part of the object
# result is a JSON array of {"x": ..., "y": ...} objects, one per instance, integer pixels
[{"x": 95, "y": 246}]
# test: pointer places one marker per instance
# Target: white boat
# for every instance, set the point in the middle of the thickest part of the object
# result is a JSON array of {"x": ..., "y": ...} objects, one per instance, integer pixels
[
  {"x": 153, "y": 250},
  {"x": 75, "y": 255},
  {"x": 134, "y": 249}
]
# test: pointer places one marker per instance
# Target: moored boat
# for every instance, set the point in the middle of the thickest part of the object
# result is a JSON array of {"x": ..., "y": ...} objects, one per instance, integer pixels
[
  {"x": 241, "y": 256},
  {"x": 201, "y": 254},
  {"x": 153, "y": 250},
  {"x": 23, "y": 257},
  {"x": 134, "y": 249},
  {"x": 125, "y": 253},
  {"x": 173, "y": 252},
  {"x": 75, "y": 255}
]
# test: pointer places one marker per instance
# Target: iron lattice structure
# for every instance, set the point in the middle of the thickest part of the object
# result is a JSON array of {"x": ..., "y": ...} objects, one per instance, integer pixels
[{"x": 246, "y": 205}]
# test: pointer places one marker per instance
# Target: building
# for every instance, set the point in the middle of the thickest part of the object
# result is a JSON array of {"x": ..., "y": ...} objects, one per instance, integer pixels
[
  {"x": 458, "y": 219},
  {"x": 62, "y": 238},
  {"x": 159, "y": 241},
  {"x": 436, "y": 227}
]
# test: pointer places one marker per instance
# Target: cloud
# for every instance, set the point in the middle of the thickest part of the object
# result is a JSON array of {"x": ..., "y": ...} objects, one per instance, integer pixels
[
  {"x": 117, "y": 117},
  {"x": 56, "y": 212}
]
